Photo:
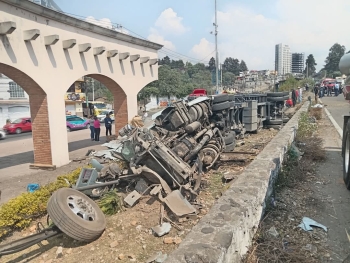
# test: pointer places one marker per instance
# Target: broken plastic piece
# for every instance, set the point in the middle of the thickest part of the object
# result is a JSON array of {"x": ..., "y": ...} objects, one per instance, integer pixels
[
  {"x": 178, "y": 204},
  {"x": 141, "y": 186},
  {"x": 96, "y": 164},
  {"x": 307, "y": 222},
  {"x": 32, "y": 187},
  {"x": 161, "y": 230},
  {"x": 132, "y": 198}
]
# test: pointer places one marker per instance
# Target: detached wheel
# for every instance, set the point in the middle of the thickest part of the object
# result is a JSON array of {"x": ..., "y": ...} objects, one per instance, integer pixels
[
  {"x": 76, "y": 215},
  {"x": 346, "y": 158},
  {"x": 221, "y": 106}
]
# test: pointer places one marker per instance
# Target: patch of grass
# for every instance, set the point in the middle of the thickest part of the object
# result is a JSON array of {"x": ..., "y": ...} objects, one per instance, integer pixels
[
  {"x": 111, "y": 203},
  {"x": 20, "y": 211}
]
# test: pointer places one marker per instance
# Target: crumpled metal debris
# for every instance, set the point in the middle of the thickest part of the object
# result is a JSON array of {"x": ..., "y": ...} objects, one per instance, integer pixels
[
  {"x": 307, "y": 222},
  {"x": 161, "y": 230},
  {"x": 178, "y": 204}
]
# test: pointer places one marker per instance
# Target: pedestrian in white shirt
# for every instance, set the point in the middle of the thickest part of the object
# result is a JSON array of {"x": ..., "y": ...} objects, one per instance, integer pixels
[{"x": 300, "y": 97}]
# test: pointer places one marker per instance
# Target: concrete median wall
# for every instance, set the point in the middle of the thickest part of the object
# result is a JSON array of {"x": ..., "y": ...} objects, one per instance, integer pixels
[{"x": 226, "y": 232}]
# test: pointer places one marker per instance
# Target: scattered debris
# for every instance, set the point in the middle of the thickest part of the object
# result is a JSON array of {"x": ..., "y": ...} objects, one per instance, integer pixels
[
  {"x": 59, "y": 252},
  {"x": 272, "y": 231},
  {"x": 32, "y": 187},
  {"x": 317, "y": 106},
  {"x": 307, "y": 222},
  {"x": 132, "y": 198},
  {"x": 162, "y": 229}
]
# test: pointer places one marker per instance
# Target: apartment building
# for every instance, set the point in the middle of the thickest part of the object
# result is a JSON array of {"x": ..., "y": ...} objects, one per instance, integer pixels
[
  {"x": 283, "y": 59},
  {"x": 298, "y": 62}
]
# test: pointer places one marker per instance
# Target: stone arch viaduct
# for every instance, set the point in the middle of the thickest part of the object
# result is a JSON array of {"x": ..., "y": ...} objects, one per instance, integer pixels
[{"x": 45, "y": 51}]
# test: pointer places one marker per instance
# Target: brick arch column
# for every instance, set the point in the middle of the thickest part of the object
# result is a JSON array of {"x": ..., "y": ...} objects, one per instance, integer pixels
[
  {"x": 120, "y": 100},
  {"x": 38, "y": 111}
]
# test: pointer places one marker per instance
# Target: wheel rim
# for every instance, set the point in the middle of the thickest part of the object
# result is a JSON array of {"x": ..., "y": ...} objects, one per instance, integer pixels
[
  {"x": 81, "y": 207},
  {"x": 68, "y": 129},
  {"x": 18, "y": 131},
  {"x": 347, "y": 155}
]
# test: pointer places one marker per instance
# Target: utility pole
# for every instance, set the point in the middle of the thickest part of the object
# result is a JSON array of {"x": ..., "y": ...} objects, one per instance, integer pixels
[
  {"x": 307, "y": 70},
  {"x": 216, "y": 51},
  {"x": 93, "y": 89},
  {"x": 221, "y": 75}
]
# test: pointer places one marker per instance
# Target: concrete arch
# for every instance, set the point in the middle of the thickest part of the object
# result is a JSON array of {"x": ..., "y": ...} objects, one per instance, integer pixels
[
  {"x": 38, "y": 111},
  {"x": 120, "y": 99}
]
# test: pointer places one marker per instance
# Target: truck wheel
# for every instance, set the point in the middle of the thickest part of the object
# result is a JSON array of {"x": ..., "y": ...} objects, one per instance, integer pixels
[
  {"x": 274, "y": 122},
  {"x": 276, "y": 98},
  {"x": 277, "y": 94},
  {"x": 221, "y": 106},
  {"x": 220, "y": 98},
  {"x": 346, "y": 159},
  {"x": 76, "y": 215}
]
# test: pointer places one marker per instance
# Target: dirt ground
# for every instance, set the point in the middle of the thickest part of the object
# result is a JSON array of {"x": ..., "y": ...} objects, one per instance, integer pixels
[
  {"x": 318, "y": 193},
  {"x": 128, "y": 236}
]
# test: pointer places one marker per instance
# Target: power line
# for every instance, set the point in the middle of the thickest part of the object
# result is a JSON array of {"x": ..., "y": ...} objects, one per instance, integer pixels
[{"x": 119, "y": 26}]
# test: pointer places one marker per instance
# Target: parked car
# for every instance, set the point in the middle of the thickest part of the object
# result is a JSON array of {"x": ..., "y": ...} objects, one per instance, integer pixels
[
  {"x": 197, "y": 93},
  {"x": 101, "y": 117},
  {"x": 18, "y": 126},
  {"x": 2, "y": 135},
  {"x": 76, "y": 123}
]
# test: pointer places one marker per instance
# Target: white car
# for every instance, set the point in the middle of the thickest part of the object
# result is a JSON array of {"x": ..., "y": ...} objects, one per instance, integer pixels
[
  {"x": 2, "y": 135},
  {"x": 101, "y": 117}
]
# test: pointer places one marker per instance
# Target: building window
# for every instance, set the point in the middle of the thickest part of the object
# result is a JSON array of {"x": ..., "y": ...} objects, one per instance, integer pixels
[{"x": 16, "y": 92}]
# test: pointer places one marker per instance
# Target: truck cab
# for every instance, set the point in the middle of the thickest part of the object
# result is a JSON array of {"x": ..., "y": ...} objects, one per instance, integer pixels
[{"x": 344, "y": 67}]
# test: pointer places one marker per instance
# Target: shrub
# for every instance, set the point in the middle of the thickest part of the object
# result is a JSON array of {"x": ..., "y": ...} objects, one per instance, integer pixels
[
  {"x": 20, "y": 211},
  {"x": 306, "y": 128}
]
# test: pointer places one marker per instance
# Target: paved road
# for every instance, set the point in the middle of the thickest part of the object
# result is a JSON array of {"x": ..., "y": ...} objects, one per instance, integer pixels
[{"x": 338, "y": 107}]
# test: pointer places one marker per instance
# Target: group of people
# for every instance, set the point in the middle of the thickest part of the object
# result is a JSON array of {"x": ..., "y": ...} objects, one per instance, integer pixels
[
  {"x": 95, "y": 127},
  {"x": 320, "y": 90},
  {"x": 297, "y": 97}
]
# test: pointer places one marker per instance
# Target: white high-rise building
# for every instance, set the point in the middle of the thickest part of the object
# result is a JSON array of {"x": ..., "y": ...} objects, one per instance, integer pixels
[{"x": 283, "y": 59}]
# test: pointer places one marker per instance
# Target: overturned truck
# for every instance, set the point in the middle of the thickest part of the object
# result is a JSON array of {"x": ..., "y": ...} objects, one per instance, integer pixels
[{"x": 165, "y": 160}]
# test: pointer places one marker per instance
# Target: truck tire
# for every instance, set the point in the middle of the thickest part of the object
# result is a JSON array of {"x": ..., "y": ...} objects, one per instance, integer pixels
[
  {"x": 277, "y": 94},
  {"x": 346, "y": 158},
  {"x": 221, "y": 106},
  {"x": 274, "y": 122},
  {"x": 76, "y": 215},
  {"x": 220, "y": 98},
  {"x": 274, "y": 99}
]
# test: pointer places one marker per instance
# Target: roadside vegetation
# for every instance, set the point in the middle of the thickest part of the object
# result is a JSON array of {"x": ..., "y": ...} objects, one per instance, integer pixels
[
  {"x": 20, "y": 211},
  {"x": 278, "y": 238}
]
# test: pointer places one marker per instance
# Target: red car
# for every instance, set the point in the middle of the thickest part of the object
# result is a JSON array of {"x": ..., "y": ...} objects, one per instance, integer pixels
[
  {"x": 18, "y": 126},
  {"x": 197, "y": 93}
]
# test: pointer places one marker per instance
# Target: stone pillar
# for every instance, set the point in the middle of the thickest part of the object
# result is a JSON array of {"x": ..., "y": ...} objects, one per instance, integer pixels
[
  {"x": 120, "y": 109},
  {"x": 58, "y": 128},
  {"x": 40, "y": 129}
]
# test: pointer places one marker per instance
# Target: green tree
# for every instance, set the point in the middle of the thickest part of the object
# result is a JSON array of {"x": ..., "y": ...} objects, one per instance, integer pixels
[
  {"x": 332, "y": 61},
  {"x": 289, "y": 84},
  {"x": 231, "y": 65},
  {"x": 169, "y": 81},
  {"x": 212, "y": 64},
  {"x": 243, "y": 66},
  {"x": 165, "y": 61},
  {"x": 147, "y": 92},
  {"x": 228, "y": 79},
  {"x": 310, "y": 68}
]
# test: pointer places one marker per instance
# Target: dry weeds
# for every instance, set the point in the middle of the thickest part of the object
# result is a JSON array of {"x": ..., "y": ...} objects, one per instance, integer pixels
[{"x": 291, "y": 201}]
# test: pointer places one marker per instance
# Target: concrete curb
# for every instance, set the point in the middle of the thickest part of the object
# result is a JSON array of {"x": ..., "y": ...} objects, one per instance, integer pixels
[
  {"x": 225, "y": 233},
  {"x": 335, "y": 124}
]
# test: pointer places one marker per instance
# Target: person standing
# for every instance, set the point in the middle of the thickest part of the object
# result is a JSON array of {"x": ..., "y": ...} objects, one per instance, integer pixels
[
  {"x": 322, "y": 89},
  {"x": 92, "y": 128},
  {"x": 97, "y": 127},
  {"x": 316, "y": 91},
  {"x": 300, "y": 97},
  {"x": 336, "y": 89},
  {"x": 108, "y": 125},
  {"x": 294, "y": 97}
]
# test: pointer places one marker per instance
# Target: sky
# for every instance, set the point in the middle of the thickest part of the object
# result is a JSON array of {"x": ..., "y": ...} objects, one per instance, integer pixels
[{"x": 247, "y": 30}]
